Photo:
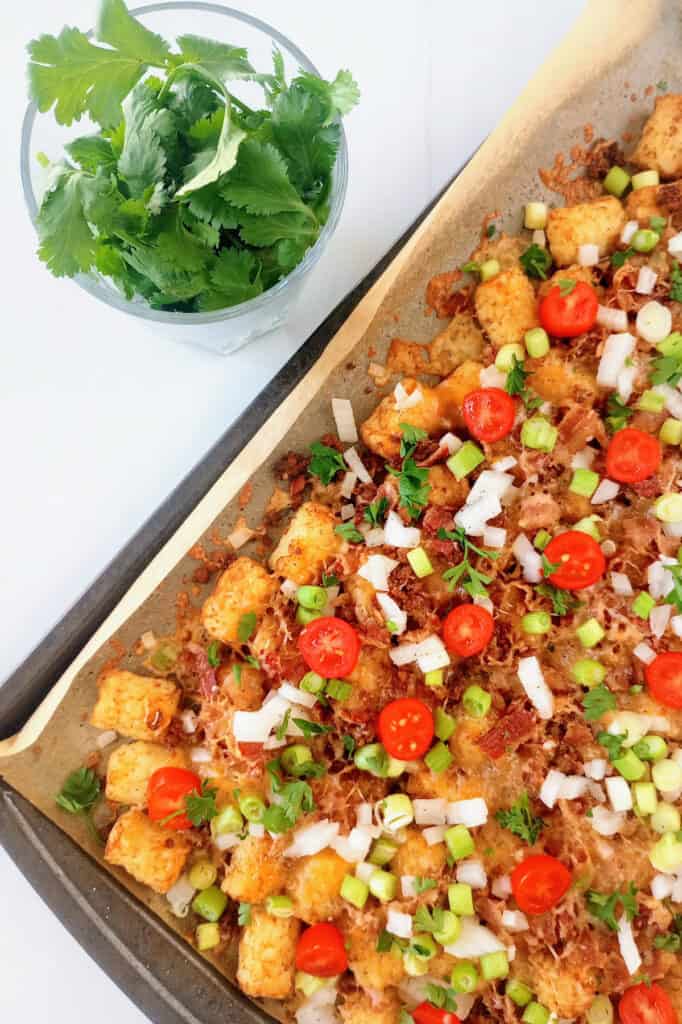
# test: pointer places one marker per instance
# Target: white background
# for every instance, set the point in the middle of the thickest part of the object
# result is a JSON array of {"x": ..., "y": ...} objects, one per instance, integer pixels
[{"x": 100, "y": 419}]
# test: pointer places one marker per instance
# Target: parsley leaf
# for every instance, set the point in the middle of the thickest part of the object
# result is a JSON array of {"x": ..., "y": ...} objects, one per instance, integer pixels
[
  {"x": 329, "y": 580},
  {"x": 475, "y": 582},
  {"x": 424, "y": 884},
  {"x": 201, "y": 807},
  {"x": 244, "y": 914},
  {"x": 667, "y": 370},
  {"x": 563, "y": 601},
  {"x": 237, "y": 673},
  {"x": 411, "y": 436},
  {"x": 516, "y": 384},
  {"x": 375, "y": 513},
  {"x": 311, "y": 728},
  {"x": 246, "y": 627},
  {"x": 612, "y": 742},
  {"x": 296, "y": 799},
  {"x": 234, "y": 277},
  {"x": 536, "y": 262},
  {"x": 548, "y": 567},
  {"x": 412, "y": 486},
  {"x": 566, "y": 286},
  {"x": 259, "y": 183},
  {"x": 597, "y": 701},
  {"x": 676, "y": 282},
  {"x": 308, "y": 144},
  {"x": 213, "y": 653},
  {"x": 521, "y": 821},
  {"x": 349, "y": 532},
  {"x": 604, "y": 905},
  {"x": 621, "y": 256},
  {"x": 349, "y": 745},
  {"x": 326, "y": 462},
  {"x": 80, "y": 792},
  {"x": 490, "y": 231},
  {"x": 672, "y": 940},
  {"x": 384, "y": 942},
  {"x": 674, "y": 596},
  {"x": 617, "y": 413}
]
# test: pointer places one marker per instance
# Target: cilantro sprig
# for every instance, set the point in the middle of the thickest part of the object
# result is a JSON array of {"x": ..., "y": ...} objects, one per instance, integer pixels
[
  {"x": 413, "y": 486},
  {"x": 671, "y": 940},
  {"x": 617, "y": 413},
  {"x": 472, "y": 579},
  {"x": 536, "y": 262},
  {"x": 612, "y": 743},
  {"x": 597, "y": 702},
  {"x": 79, "y": 795},
  {"x": 516, "y": 384},
  {"x": 199, "y": 806},
  {"x": 326, "y": 462},
  {"x": 563, "y": 601},
  {"x": 521, "y": 821},
  {"x": 604, "y": 906}
]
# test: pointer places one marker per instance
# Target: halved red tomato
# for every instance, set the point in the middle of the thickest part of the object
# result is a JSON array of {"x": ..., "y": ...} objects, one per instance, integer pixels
[
  {"x": 167, "y": 791},
  {"x": 664, "y": 678},
  {"x": 569, "y": 308},
  {"x": 646, "y": 1004},
  {"x": 427, "y": 1013},
  {"x": 330, "y": 647},
  {"x": 321, "y": 951},
  {"x": 489, "y": 413},
  {"x": 539, "y": 882},
  {"x": 406, "y": 728},
  {"x": 632, "y": 456},
  {"x": 579, "y": 558},
  {"x": 468, "y": 629}
]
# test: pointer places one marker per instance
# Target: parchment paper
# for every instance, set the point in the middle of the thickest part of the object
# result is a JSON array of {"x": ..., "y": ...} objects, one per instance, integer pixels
[{"x": 599, "y": 76}]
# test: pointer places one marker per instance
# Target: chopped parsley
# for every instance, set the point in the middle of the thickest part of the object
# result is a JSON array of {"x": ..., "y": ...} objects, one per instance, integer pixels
[
  {"x": 349, "y": 532},
  {"x": 675, "y": 281},
  {"x": 617, "y": 413},
  {"x": 246, "y": 627},
  {"x": 326, "y": 462},
  {"x": 237, "y": 673},
  {"x": 603, "y": 905},
  {"x": 536, "y": 262},
  {"x": 424, "y": 884},
  {"x": 474, "y": 581},
  {"x": 79, "y": 794},
  {"x": 672, "y": 940},
  {"x": 244, "y": 914},
  {"x": 296, "y": 799},
  {"x": 662, "y": 85},
  {"x": 674, "y": 597},
  {"x": 549, "y": 567},
  {"x": 563, "y": 601},
  {"x": 620, "y": 258},
  {"x": 213, "y": 654},
  {"x": 413, "y": 485},
  {"x": 375, "y": 513},
  {"x": 521, "y": 821},
  {"x": 516, "y": 385},
  {"x": 201, "y": 807},
  {"x": 411, "y": 436},
  {"x": 251, "y": 660},
  {"x": 597, "y": 702},
  {"x": 329, "y": 580},
  {"x": 566, "y": 286},
  {"x": 612, "y": 743},
  {"x": 667, "y": 370},
  {"x": 311, "y": 728}
]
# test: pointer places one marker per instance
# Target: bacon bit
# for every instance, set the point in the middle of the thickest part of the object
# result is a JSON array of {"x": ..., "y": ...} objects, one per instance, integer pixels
[
  {"x": 212, "y": 562},
  {"x": 670, "y": 195},
  {"x": 199, "y": 668},
  {"x": 649, "y": 488},
  {"x": 508, "y": 732},
  {"x": 242, "y": 533},
  {"x": 245, "y": 495},
  {"x": 296, "y": 486},
  {"x": 291, "y": 465},
  {"x": 601, "y": 157},
  {"x": 250, "y": 749},
  {"x": 440, "y": 297},
  {"x": 278, "y": 503},
  {"x": 561, "y": 178}
]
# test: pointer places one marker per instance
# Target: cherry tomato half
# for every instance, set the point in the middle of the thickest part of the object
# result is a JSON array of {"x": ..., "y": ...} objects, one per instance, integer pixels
[
  {"x": 321, "y": 952},
  {"x": 539, "y": 882},
  {"x": 664, "y": 678},
  {"x": 406, "y": 728},
  {"x": 427, "y": 1013},
  {"x": 567, "y": 312},
  {"x": 646, "y": 1004},
  {"x": 489, "y": 413},
  {"x": 468, "y": 629},
  {"x": 632, "y": 456},
  {"x": 580, "y": 559},
  {"x": 167, "y": 791},
  {"x": 330, "y": 647}
]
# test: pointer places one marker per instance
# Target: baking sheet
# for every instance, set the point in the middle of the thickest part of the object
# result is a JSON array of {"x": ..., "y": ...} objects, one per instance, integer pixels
[{"x": 600, "y": 76}]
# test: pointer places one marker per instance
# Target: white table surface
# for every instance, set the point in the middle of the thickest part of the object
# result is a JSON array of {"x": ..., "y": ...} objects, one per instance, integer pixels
[{"x": 99, "y": 424}]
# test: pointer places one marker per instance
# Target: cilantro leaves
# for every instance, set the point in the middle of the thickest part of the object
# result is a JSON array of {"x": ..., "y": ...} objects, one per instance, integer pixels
[
  {"x": 604, "y": 905},
  {"x": 563, "y": 601},
  {"x": 521, "y": 821},
  {"x": 79, "y": 794},
  {"x": 536, "y": 262},
  {"x": 201, "y": 807},
  {"x": 612, "y": 742},
  {"x": 617, "y": 413},
  {"x": 326, "y": 462},
  {"x": 672, "y": 940},
  {"x": 474, "y": 581},
  {"x": 597, "y": 702},
  {"x": 516, "y": 384},
  {"x": 349, "y": 532},
  {"x": 413, "y": 485}
]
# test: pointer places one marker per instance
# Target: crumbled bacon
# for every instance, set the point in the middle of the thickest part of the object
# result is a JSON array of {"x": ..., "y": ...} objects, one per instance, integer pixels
[
  {"x": 516, "y": 725},
  {"x": 601, "y": 158}
]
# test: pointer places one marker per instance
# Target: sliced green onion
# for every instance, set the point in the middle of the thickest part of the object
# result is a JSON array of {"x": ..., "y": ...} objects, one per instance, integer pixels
[
  {"x": 460, "y": 842},
  {"x": 464, "y": 977},
  {"x": 207, "y": 937},
  {"x": 383, "y": 851},
  {"x": 666, "y": 854},
  {"x": 210, "y": 903},
  {"x": 504, "y": 360},
  {"x": 666, "y": 775},
  {"x": 541, "y": 539},
  {"x": 584, "y": 482},
  {"x": 539, "y": 434},
  {"x": 537, "y": 342},
  {"x": 252, "y": 807},
  {"x": 588, "y": 672},
  {"x": 419, "y": 560},
  {"x": 444, "y": 725},
  {"x": 227, "y": 820},
  {"x": 306, "y": 615},
  {"x": 396, "y": 812},
  {"x": 645, "y": 179},
  {"x": 354, "y": 891},
  {"x": 423, "y": 946},
  {"x": 666, "y": 818},
  {"x": 670, "y": 346},
  {"x": 372, "y": 758},
  {"x": 495, "y": 965},
  {"x": 651, "y": 401},
  {"x": 536, "y": 623},
  {"x": 465, "y": 460},
  {"x": 518, "y": 992},
  {"x": 668, "y": 508},
  {"x": 293, "y": 758},
  {"x": 651, "y": 748},
  {"x": 383, "y": 885},
  {"x": 438, "y": 758},
  {"x": 590, "y": 633},
  {"x": 535, "y": 1013},
  {"x": 645, "y": 240},
  {"x": 309, "y": 984},
  {"x": 646, "y": 799},
  {"x": 588, "y": 525},
  {"x": 600, "y": 1011},
  {"x": 312, "y": 598},
  {"x": 615, "y": 182},
  {"x": 312, "y": 683},
  {"x": 671, "y": 431},
  {"x": 435, "y": 678},
  {"x": 414, "y": 966},
  {"x": 461, "y": 899},
  {"x": 279, "y": 906},
  {"x": 476, "y": 701},
  {"x": 338, "y": 689},
  {"x": 630, "y": 766},
  {"x": 535, "y": 216},
  {"x": 395, "y": 768},
  {"x": 203, "y": 874},
  {"x": 643, "y": 604},
  {"x": 489, "y": 269},
  {"x": 451, "y": 927}
]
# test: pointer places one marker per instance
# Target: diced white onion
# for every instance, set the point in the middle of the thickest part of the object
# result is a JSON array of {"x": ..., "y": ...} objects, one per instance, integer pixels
[
  {"x": 529, "y": 558},
  {"x": 490, "y": 482},
  {"x": 596, "y": 768},
  {"x": 403, "y": 400},
  {"x": 621, "y": 584},
  {"x": 676, "y": 894},
  {"x": 399, "y": 924},
  {"x": 430, "y": 812},
  {"x": 661, "y": 887},
  {"x": 451, "y": 442},
  {"x": 573, "y": 787},
  {"x": 502, "y": 887},
  {"x": 363, "y": 814},
  {"x": 408, "y": 886},
  {"x": 537, "y": 690},
  {"x": 494, "y": 537},
  {"x": 200, "y": 755},
  {"x": 256, "y": 829},
  {"x": 364, "y": 871},
  {"x": 539, "y": 238},
  {"x": 105, "y": 739},
  {"x": 612, "y": 319},
  {"x": 659, "y": 579},
  {"x": 347, "y": 512},
  {"x": 673, "y": 530},
  {"x": 375, "y": 538},
  {"x": 180, "y": 896},
  {"x": 432, "y": 655},
  {"x": 355, "y": 846},
  {"x": 472, "y": 518},
  {"x": 484, "y": 602},
  {"x": 434, "y": 834},
  {"x": 583, "y": 459},
  {"x": 289, "y": 588},
  {"x": 227, "y": 841},
  {"x": 475, "y": 940},
  {"x": 505, "y": 464},
  {"x": 404, "y": 654},
  {"x": 628, "y": 232},
  {"x": 675, "y": 244},
  {"x": 491, "y": 377},
  {"x": 659, "y": 618},
  {"x": 672, "y": 399},
  {"x": 588, "y": 255},
  {"x": 646, "y": 281},
  {"x": 628, "y": 946},
  {"x": 348, "y": 484},
  {"x": 472, "y": 812},
  {"x": 256, "y": 726},
  {"x": 606, "y": 822},
  {"x": 398, "y": 535},
  {"x": 376, "y": 569},
  {"x": 551, "y": 787},
  {"x": 472, "y": 873},
  {"x": 676, "y": 625},
  {"x": 626, "y": 382},
  {"x": 654, "y": 322},
  {"x": 312, "y": 838},
  {"x": 630, "y": 724},
  {"x": 392, "y": 613},
  {"x": 296, "y": 696},
  {"x": 644, "y": 653},
  {"x": 515, "y": 921},
  {"x": 619, "y": 793},
  {"x": 240, "y": 536},
  {"x": 617, "y": 349},
  {"x": 606, "y": 491},
  {"x": 148, "y": 640},
  {"x": 356, "y": 465}
]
